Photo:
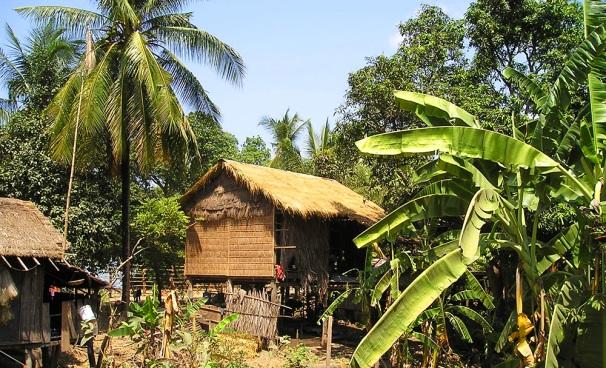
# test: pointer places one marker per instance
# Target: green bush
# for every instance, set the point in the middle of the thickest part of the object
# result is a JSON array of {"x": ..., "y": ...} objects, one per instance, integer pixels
[{"x": 299, "y": 357}]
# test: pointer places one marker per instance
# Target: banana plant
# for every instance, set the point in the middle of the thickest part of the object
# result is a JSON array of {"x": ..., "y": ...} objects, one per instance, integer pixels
[
  {"x": 430, "y": 284},
  {"x": 519, "y": 188},
  {"x": 517, "y": 185}
]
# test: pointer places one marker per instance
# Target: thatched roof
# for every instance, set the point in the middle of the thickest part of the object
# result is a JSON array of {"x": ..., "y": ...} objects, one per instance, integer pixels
[
  {"x": 298, "y": 194},
  {"x": 26, "y": 232}
]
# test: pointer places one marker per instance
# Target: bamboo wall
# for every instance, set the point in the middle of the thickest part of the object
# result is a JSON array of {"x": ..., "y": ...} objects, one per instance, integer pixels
[
  {"x": 234, "y": 248},
  {"x": 233, "y": 235}
]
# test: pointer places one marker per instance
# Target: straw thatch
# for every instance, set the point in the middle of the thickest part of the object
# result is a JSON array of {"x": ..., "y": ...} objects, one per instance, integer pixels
[
  {"x": 227, "y": 198},
  {"x": 26, "y": 232},
  {"x": 297, "y": 194}
]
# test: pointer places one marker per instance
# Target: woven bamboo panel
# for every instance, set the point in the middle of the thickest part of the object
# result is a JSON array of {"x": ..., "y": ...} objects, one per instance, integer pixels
[{"x": 237, "y": 248}]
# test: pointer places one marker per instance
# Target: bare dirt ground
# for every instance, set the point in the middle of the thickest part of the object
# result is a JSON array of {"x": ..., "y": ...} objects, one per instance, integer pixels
[{"x": 122, "y": 350}]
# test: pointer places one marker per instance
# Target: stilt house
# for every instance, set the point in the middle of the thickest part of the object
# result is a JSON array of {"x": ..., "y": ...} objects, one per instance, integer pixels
[
  {"x": 248, "y": 221},
  {"x": 40, "y": 292}
]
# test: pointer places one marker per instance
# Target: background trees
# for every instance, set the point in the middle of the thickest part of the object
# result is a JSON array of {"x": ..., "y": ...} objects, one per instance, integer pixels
[{"x": 459, "y": 60}]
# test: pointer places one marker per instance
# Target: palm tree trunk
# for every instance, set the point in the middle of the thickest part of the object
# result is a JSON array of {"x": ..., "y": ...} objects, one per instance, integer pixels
[{"x": 124, "y": 224}]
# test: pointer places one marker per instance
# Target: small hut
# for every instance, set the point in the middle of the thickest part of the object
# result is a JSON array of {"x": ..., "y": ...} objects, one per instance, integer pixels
[
  {"x": 254, "y": 225},
  {"x": 40, "y": 292}
]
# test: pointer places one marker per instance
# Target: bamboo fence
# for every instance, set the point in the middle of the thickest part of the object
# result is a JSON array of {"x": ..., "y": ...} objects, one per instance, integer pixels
[{"x": 258, "y": 315}]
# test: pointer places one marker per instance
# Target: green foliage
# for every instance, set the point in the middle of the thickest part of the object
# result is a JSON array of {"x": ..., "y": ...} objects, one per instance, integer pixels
[
  {"x": 285, "y": 132},
  {"x": 434, "y": 59},
  {"x": 161, "y": 224},
  {"x": 506, "y": 213},
  {"x": 299, "y": 357},
  {"x": 142, "y": 324},
  {"x": 28, "y": 173},
  {"x": 254, "y": 151},
  {"x": 161, "y": 220},
  {"x": 34, "y": 69},
  {"x": 534, "y": 36},
  {"x": 143, "y": 327}
]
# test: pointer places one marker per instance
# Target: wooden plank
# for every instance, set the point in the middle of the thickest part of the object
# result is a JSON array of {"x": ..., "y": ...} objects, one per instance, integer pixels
[
  {"x": 66, "y": 311},
  {"x": 74, "y": 325},
  {"x": 45, "y": 323},
  {"x": 30, "y": 325}
]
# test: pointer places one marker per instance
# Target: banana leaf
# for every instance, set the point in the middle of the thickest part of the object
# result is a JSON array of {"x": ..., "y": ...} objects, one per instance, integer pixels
[
  {"x": 434, "y": 111},
  {"x": 527, "y": 87},
  {"x": 458, "y": 141},
  {"x": 419, "y": 295},
  {"x": 426, "y": 207}
]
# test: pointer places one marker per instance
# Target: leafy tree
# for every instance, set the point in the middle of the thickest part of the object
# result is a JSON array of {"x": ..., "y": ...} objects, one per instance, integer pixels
[
  {"x": 285, "y": 132},
  {"x": 34, "y": 70},
  {"x": 213, "y": 144},
  {"x": 161, "y": 224},
  {"x": 431, "y": 59},
  {"x": 27, "y": 172},
  {"x": 434, "y": 58},
  {"x": 128, "y": 103},
  {"x": 254, "y": 151},
  {"x": 532, "y": 36}
]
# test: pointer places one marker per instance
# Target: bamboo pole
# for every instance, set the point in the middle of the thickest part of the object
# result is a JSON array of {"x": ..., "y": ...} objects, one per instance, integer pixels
[{"x": 89, "y": 64}]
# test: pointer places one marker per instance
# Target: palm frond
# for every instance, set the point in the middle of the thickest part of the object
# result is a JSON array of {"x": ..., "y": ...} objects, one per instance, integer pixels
[
  {"x": 154, "y": 8},
  {"x": 187, "y": 86},
  {"x": 200, "y": 46},
  {"x": 169, "y": 20},
  {"x": 313, "y": 143},
  {"x": 9, "y": 71},
  {"x": 121, "y": 11},
  {"x": 13, "y": 43},
  {"x": 7, "y": 108},
  {"x": 81, "y": 102},
  {"x": 73, "y": 20}
]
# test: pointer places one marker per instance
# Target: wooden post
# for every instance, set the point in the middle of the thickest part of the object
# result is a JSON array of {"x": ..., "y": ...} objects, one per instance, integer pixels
[
  {"x": 324, "y": 330},
  {"x": 144, "y": 282},
  {"x": 229, "y": 286},
  {"x": 66, "y": 321},
  {"x": 33, "y": 358},
  {"x": 328, "y": 340}
]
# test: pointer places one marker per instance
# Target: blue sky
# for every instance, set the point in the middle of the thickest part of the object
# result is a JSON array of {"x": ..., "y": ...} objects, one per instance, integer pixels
[{"x": 298, "y": 54}]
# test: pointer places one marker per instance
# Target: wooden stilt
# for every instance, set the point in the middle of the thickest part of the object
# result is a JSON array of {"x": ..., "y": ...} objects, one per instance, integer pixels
[
  {"x": 324, "y": 333},
  {"x": 33, "y": 358},
  {"x": 328, "y": 340}
]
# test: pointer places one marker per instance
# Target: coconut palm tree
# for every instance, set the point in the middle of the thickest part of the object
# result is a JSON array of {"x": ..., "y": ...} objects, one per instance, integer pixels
[
  {"x": 285, "y": 132},
  {"x": 131, "y": 100},
  {"x": 33, "y": 69},
  {"x": 319, "y": 144}
]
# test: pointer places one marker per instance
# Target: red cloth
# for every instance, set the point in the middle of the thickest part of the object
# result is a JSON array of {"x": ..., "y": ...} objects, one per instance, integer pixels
[{"x": 280, "y": 275}]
